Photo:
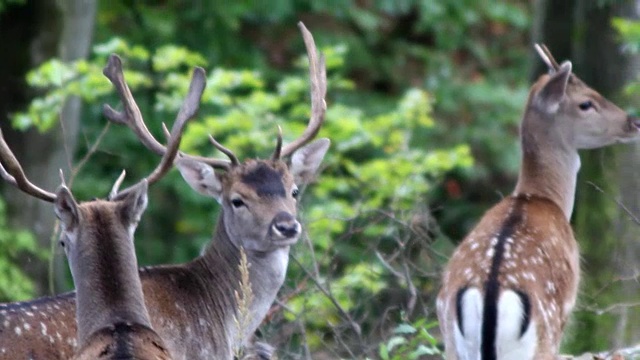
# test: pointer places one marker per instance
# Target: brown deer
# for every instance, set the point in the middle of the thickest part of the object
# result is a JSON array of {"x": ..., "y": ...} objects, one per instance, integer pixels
[
  {"x": 193, "y": 306},
  {"x": 97, "y": 236},
  {"x": 511, "y": 285}
]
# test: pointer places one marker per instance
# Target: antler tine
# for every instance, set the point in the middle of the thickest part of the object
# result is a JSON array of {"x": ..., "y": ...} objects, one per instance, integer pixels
[
  {"x": 318, "y": 77},
  {"x": 116, "y": 185},
  {"x": 188, "y": 111},
  {"x": 131, "y": 115},
  {"x": 224, "y": 150},
  {"x": 14, "y": 175},
  {"x": 276, "y": 153},
  {"x": 550, "y": 56},
  {"x": 546, "y": 56}
]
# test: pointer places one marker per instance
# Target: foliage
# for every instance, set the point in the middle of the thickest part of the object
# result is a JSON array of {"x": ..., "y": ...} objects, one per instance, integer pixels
[
  {"x": 423, "y": 103},
  {"x": 410, "y": 341},
  {"x": 15, "y": 245},
  {"x": 6, "y": 3}
]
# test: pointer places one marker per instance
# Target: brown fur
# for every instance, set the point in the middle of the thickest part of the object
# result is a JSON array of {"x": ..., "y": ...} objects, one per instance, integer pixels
[{"x": 191, "y": 306}]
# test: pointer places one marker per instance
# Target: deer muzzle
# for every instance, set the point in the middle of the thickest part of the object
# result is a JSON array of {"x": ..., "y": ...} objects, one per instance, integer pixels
[
  {"x": 285, "y": 226},
  {"x": 634, "y": 122}
]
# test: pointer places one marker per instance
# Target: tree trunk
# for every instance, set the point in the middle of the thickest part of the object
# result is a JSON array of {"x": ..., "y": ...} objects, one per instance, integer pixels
[
  {"x": 32, "y": 34},
  {"x": 627, "y": 256}
]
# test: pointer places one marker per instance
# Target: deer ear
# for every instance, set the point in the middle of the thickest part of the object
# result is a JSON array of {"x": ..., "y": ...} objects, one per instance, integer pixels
[
  {"x": 552, "y": 93},
  {"x": 135, "y": 202},
  {"x": 66, "y": 208},
  {"x": 306, "y": 160},
  {"x": 201, "y": 177}
]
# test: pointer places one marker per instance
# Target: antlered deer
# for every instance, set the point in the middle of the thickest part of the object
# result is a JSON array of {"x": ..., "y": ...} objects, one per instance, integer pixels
[
  {"x": 97, "y": 236},
  {"x": 192, "y": 306},
  {"x": 511, "y": 285}
]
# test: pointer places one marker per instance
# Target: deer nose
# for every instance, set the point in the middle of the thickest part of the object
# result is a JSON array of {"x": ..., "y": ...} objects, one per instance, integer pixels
[
  {"x": 285, "y": 225},
  {"x": 634, "y": 121}
]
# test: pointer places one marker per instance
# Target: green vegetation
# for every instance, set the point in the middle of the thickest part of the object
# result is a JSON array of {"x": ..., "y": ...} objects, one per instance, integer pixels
[{"x": 424, "y": 102}]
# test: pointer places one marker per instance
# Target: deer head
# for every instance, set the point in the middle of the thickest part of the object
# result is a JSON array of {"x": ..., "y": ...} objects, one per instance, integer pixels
[
  {"x": 580, "y": 117},
  {"x": 258, "y": 197}
]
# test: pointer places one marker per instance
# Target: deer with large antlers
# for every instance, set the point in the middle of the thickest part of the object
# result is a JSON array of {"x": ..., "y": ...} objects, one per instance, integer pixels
[
  {"x": 97, "y": 236},
  {"x": 192, "y": 306},
  {"x": 511, "y": 285}
]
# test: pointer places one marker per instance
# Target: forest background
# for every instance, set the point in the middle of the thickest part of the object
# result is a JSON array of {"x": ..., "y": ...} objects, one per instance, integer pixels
[{"x": 424, "y": 103}]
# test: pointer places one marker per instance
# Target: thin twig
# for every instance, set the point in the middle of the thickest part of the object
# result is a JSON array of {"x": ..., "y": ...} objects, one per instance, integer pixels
[
  {"x": 620, "y": 204},
  {"x": 354, "y": 326},
  {"x": 92, "y": 150}
]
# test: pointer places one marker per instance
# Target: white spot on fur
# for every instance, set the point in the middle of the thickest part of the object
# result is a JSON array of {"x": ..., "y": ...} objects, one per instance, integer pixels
[
  {"x": 551, "y": 287},
  {"x": 490, "y": 252},
  {"x": 18, "y": 330},
  {"x": 26, "y": 326},
  {"x": 43, "y": 328}
]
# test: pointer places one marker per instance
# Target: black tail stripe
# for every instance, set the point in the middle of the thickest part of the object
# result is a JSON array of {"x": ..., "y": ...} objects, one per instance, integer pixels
[{"x": 492, "y": 287}]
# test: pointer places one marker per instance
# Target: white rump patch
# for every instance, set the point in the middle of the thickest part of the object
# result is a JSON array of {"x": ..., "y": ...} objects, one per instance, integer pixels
[
  {"x": 468, "y": 345},
  {"x": 510, "y": 345}
]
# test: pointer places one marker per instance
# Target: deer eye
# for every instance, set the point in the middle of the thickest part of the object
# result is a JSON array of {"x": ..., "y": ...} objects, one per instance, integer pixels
[
  {"x": 237, "y": 202},
  {"x": 295, "y": 192},
  {"x": 586, "y": 105},
  {"x": 62, "y": 243}
]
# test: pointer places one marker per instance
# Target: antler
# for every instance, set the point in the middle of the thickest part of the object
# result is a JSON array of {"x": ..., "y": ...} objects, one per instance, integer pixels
[
  {"x": 14, "y": 175},
  {"x": 546, "y": 56},
  {"x": 132, "y": 117},
  {"x": 318, "y": 78}
]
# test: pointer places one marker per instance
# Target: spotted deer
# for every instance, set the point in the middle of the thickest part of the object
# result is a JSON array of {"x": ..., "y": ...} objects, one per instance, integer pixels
[
  {"x": 97, "y": 237},
  {"x": 192, "y": 306},
  {"x": 510, "y": 286}
]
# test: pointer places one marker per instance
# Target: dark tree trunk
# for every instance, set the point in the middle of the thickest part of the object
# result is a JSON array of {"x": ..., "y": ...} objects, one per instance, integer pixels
[{"x": 32, "y": 34}]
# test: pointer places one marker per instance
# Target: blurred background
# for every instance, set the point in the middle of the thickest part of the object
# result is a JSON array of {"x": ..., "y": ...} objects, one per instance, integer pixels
[{"x": 424, "y": 103}]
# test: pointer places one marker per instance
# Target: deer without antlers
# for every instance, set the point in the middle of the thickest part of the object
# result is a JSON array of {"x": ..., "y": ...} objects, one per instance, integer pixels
[
  {"x": 192, "y": 306},
  {"x": 97, "y": 236},
  {"x": 511, "y": 285}
]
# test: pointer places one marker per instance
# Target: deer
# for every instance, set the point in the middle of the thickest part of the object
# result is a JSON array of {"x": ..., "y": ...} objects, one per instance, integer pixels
[
  {"x": 97, "y": 238},
  {"x": 510, "y": 286},
  {"x": 193, "y": 306}
]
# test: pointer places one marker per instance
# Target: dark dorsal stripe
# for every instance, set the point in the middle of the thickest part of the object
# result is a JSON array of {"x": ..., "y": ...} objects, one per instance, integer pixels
[
  {"x": 265, "y": 180},
  {"x": 123, "y": 335},
  {"x": 103, "y": 231},
  {"x": 492, "y": 287}
]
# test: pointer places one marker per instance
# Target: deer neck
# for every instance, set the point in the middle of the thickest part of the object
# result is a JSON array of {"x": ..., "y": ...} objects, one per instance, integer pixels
[
  {"x": 221, "y": 260},
  {"x": 107, "y": 297},
  {"x": 549, "y": 163}
]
